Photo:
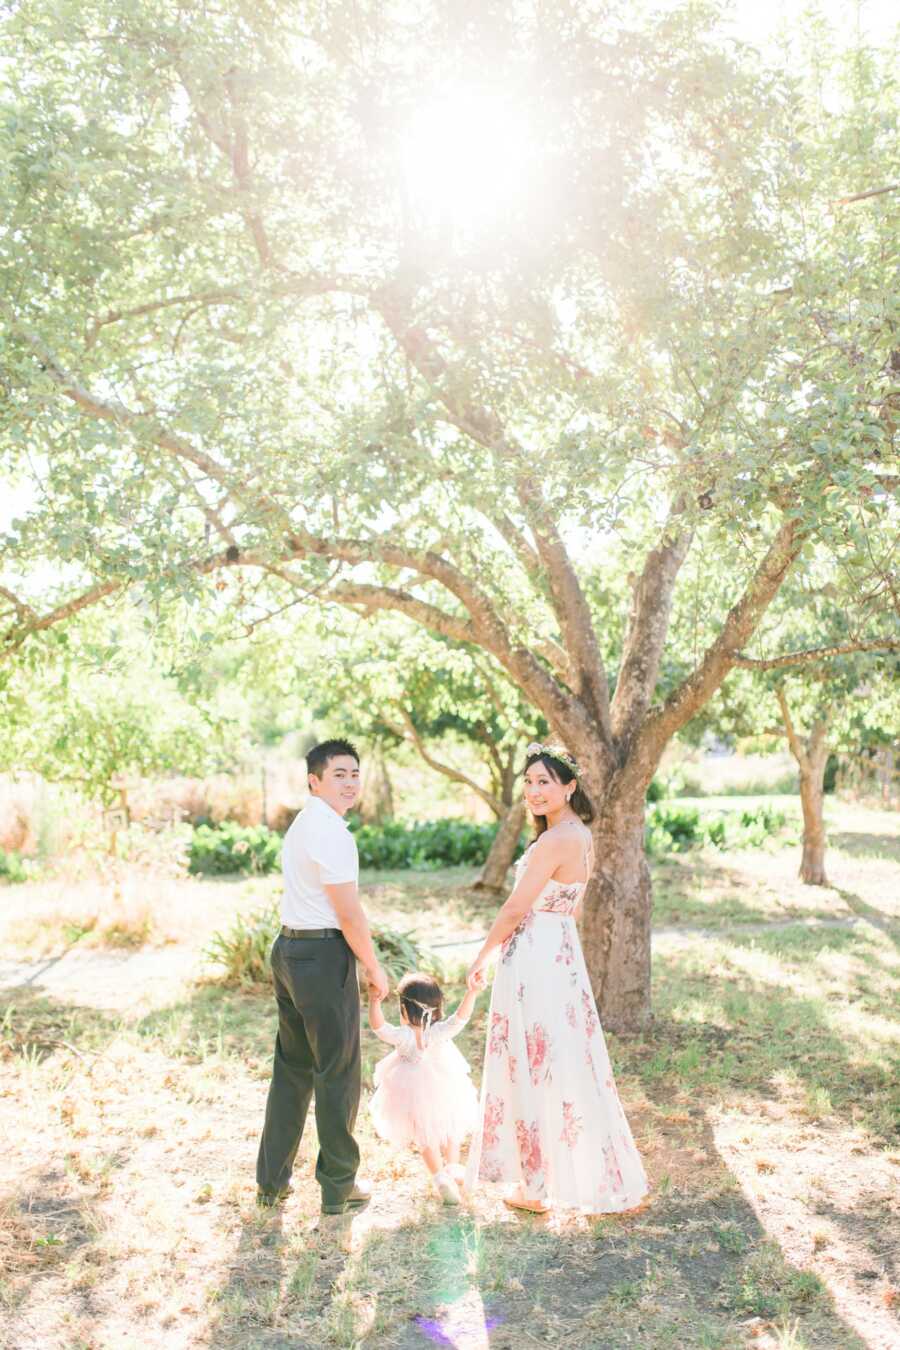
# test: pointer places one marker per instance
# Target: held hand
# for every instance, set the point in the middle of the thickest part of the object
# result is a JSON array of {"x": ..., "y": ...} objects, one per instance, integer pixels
[
  {"x": 378, "y": 983},
  {"x": 476, "y": 978}
]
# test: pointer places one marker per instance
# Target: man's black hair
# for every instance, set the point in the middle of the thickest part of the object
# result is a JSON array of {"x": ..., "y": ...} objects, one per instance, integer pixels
[{"x": 318, "y": 757}]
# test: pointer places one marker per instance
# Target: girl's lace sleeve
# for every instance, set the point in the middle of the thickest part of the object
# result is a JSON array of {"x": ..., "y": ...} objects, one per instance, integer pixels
[
  {"x": 446, "y": 1030},
  {"x": 393, "y": 1035}
]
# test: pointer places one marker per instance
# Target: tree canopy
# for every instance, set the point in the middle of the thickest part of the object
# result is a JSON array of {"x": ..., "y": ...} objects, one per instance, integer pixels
[{"x": 264, "y": 330}]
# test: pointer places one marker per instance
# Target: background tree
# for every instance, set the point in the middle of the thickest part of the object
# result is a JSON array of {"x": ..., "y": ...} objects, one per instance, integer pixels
[
  {"x": 251, "y": 335},
  {"x": 400, "y": 686},
  {"x": 92, "y": 708}
]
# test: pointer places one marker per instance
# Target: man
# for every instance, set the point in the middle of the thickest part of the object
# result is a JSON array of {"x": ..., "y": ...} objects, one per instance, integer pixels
[{"x": 314, "y": 972}]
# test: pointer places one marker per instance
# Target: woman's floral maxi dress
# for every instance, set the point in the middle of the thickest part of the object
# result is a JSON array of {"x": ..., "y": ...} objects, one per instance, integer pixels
[{"x": 551, "y": 1118}]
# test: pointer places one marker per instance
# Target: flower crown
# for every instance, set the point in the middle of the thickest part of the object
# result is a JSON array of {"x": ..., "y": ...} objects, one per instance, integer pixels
[{"x": 554, "y": 752}]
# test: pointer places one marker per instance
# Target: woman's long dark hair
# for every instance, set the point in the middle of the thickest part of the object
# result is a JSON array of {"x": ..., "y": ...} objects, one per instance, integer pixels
[{"x": 579, "y": 801}]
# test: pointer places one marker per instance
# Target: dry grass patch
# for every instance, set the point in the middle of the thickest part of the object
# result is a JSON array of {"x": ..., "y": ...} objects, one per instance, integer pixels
[{"x": 761, "y": 1100}]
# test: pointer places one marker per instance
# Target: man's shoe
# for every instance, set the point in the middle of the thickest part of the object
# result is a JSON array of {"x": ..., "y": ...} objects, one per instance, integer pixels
[
  {"x": 269, "y": 1199},
  {"x": 358, "y": 1198}
]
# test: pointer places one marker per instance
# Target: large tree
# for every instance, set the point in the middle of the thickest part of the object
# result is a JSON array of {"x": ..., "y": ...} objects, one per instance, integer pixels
[{"x": 276, "y": 316}]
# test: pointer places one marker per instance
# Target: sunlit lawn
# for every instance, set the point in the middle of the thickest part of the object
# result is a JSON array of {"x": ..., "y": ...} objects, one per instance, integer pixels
[{"x": 764, "y": 1100}]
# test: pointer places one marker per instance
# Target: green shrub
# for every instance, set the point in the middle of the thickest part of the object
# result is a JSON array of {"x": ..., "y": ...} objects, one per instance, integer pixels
[
  {"x": 243, "y": 950},
  {"x": 423, "y": 845},
  {"x": 673, "y": 829},
  {"x": 216, "y": 850},
  {"x": 12, "y": 869}
]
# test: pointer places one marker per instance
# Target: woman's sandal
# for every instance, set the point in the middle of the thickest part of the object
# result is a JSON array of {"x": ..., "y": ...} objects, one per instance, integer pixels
[{"x": 518, "y": 1201}]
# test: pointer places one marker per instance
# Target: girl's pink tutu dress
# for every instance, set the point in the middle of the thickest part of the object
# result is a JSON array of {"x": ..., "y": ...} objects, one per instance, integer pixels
[{"x": 423, "y": 1098}]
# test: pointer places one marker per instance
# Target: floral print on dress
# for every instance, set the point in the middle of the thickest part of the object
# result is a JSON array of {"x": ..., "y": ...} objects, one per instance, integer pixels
[
  {"x": 508, "y": 949},
  {"x": 591, "y": 1020},
  {"x": 572, "y": 1125},
  {"x": 499, "y": 1034},
  {"x": 494, "y": 1111},
  {"x": 563, "y": 901},
  {"x": 528, "y": 1139},
  {"x": 537, "y": 1045},
  {"x": 566, "y": 953},
  {"x": 613, "y": 1170},
  {"x": 551, "y": 1119}
]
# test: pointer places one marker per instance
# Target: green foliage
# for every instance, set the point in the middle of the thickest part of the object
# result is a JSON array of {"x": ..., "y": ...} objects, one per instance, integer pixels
[
  {"x": 13, "y": 869},
  {"x": 243, "y": 950},
  {"x": 111, "y": 710},
  {"x": 675, "y": 829},
  {"x": 764, "y": 1286},
  {"x": 217, "y": 850},
  {"x": 424, "y": 845},
  {"x": 400, "y": 953}
]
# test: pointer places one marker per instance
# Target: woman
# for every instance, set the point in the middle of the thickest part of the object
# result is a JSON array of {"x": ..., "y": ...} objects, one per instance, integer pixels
[{"x": 551, "y": 1120}]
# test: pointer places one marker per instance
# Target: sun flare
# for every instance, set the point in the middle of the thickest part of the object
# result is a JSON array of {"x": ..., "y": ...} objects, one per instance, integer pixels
[{"x": 468, "y": 158}]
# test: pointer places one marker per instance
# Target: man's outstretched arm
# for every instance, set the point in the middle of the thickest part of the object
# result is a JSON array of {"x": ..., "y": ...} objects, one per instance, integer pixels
[{"x": 355, "y": 927}]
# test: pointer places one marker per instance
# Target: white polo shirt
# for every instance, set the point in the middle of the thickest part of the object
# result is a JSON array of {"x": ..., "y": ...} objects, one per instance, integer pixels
[{"x": 318, "y": 850}]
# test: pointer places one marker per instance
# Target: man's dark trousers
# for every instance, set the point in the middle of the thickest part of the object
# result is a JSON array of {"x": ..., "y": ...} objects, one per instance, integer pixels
[{"x": 316, "y": 1053}]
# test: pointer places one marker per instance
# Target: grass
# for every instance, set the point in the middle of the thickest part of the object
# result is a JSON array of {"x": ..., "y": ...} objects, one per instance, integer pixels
[{"x": 763, "y": 1099}]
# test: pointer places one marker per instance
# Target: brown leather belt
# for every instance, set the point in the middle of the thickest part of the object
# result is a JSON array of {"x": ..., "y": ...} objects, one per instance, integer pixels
[{"x": 305, "y": 933}]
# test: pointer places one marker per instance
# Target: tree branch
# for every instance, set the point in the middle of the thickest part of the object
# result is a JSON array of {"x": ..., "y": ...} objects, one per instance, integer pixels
[
  {"x": 740, "y": 624},
  {"x": 648, "y": 625},
  {"x": 22, "y": 608},
  {"x": 794, "y": 741},
  {"x": 862, "y": 196},
  {"x": 482, "y": 426},
  {"x": 817, "y": 654},
  {"x": 411, "y": 734},
  {"x": 199, "y": 298},
  {"x": 373, "y": 598}
]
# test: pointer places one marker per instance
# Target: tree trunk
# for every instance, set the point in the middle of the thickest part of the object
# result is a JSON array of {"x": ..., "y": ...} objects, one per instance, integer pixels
[
  {"x": 615, "y": 926},
  {"x": 377, "y": 801},
  {"x": 812, "y": 795},
  {"x": 499, "y": 860}
]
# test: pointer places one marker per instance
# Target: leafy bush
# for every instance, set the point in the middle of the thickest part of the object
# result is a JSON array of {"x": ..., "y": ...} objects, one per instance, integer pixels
[
  {"x": 244, "y": 949},
  {"x": 402, "y": 952},
  {"x": 424, "y": 845},
  {"x": 673, "y": 829},
  {"x": 12, "y": 869},
  {"x": 755, "y": 826},
  {"x": 219, "y": 849}
]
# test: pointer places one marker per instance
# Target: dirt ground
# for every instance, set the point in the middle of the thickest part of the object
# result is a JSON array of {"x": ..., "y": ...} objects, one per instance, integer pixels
[{"x": 764, "y": 1101}]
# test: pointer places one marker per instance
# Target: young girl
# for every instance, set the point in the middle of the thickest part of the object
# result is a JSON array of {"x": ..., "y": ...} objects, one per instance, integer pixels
[{"x": 424, "y": 1098}]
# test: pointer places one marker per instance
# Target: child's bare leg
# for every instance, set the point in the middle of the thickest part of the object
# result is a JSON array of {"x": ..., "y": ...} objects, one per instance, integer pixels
[
  {"x": 441, "y": 1180},
  {"x": 450, "y": 1151},
  {"x": 431, "y": 1159}
]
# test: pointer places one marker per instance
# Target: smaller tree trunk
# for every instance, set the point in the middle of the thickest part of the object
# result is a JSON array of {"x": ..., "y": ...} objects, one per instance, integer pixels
[
  {"x": 812, "y": 798},
  {"x": 376, "y": 804},
  {"x": 498, "y": 862}
]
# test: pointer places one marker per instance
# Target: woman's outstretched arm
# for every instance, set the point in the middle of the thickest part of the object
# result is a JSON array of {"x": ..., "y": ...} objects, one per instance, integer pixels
[{"x": 545, "y": 857}]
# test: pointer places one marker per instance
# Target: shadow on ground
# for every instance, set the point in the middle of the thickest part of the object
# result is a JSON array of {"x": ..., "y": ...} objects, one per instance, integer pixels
[{"x": 859, "y": 844}]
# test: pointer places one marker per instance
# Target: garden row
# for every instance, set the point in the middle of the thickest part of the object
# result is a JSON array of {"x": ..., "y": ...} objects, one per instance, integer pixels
[
  {"x": 229, "y": 848},
  {"x": 426, "y": 845}
]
